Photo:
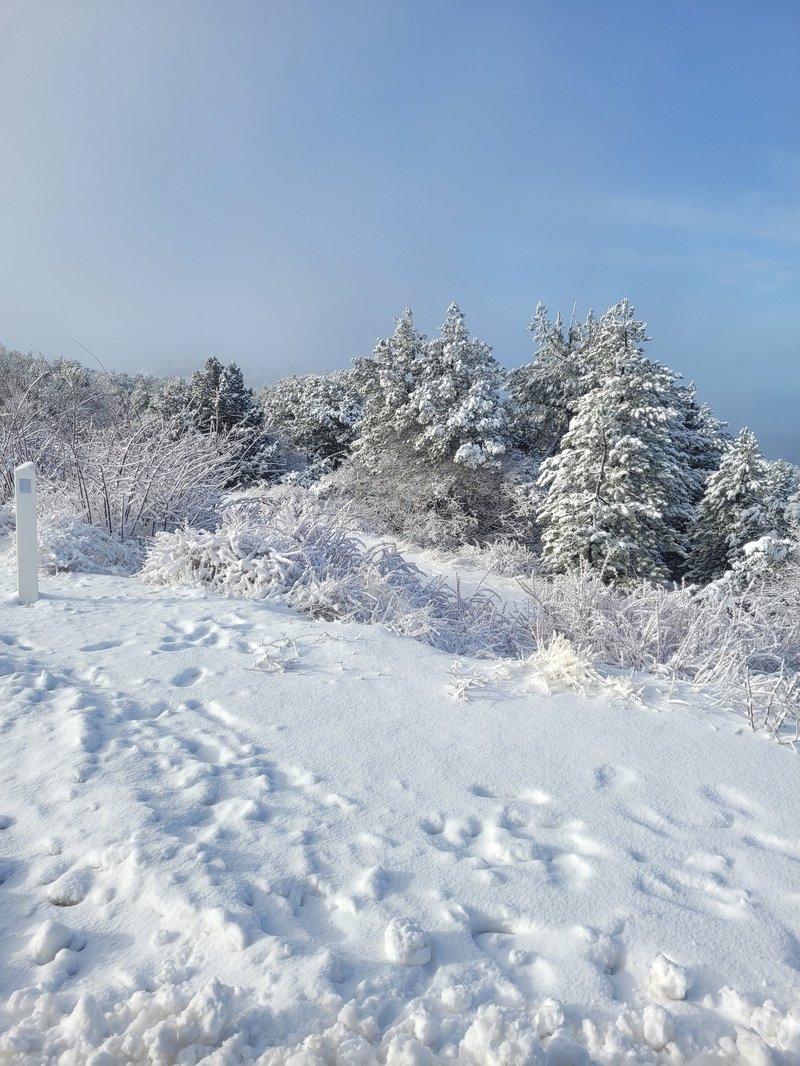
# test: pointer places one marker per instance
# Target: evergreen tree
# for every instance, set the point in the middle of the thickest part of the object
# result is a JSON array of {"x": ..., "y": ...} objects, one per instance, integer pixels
[
  {"x": 317, "y": 414},
  {"x": 219, "y": 399},
  {"x": 545, "y": 393},
  {"x": 456, "y": 398},
  {"x": 706, "y": 438},
  {"x": 700, "y": 440},
  {"x": 570, "y": 361},
  {"x": 617, "y": 491},
  {"x": 439, "y": 398},
  {"x": 205, "y": 395},
  {"x": 386, "y": 382},
  {"x": 172, "y": 400},
  {"x": 781, "y": 490},
  {"x": 237, "y": 405},
  {"x": 731, "y": 513}
]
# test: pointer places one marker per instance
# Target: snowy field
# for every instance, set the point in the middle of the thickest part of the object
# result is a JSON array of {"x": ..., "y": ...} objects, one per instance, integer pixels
[{"x": 231, "y": 834}]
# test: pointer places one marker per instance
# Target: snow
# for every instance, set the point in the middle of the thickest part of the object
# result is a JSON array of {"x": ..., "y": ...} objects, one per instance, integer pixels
[
  {"x": 667, "y": 979},
  {"x": 231, "y": 834},
  {"x": 407, "y": 942},
  {"x": 48, "y": 940}
]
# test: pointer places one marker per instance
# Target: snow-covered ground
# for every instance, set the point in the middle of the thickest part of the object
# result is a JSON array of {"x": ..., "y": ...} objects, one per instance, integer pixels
[{"x": 232, "y": 834}]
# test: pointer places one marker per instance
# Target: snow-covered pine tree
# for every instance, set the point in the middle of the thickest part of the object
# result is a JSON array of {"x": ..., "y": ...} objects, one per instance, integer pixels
[
  {"x": 544, "y": 394},
  {"x": 219, "y": 398},
  {"x": 731, "y": 512},
  {"x": 569, "y": 363},
  {"x": 617, "y": 491},
  {"x": 386, "y": 382},
  {"x": 315, "y": 413},
  {"x": 205, "y": 395},
  {"x": 781, "y": 489},
  {"x": 237, "y": 406},
  {"x": 456, "y": 398},
  {"x": 706, "y": 438},
  {"x": 172, "y": 400},
  {"x": 700, "y": 439},
  {"x": 439, "y": 399},
  {"x": 426, "y": 462}
]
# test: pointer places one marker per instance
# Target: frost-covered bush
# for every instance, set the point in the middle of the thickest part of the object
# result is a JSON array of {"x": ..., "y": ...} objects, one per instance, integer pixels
[
  {"x": 559, "y": 665},
  {"x": 102, "y": 495},
  {"x": 291, "y": 548},
  {"x": 100, "y": 466},
  {"x": 744, "y": 643},
  {"x": 684, "y": 631},
  {"x": 437, "y": 505},
  {"x": 763, "y": 558},
  {"x": 503, "y": 557},
  {"x": 6, "y": 518},
  {"x": 133, "y": 483},
  {"x": 66, "y": 543}
]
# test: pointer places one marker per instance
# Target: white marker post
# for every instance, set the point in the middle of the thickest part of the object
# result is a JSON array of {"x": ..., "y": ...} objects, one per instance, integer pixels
[{"x": 27, "y": 546}]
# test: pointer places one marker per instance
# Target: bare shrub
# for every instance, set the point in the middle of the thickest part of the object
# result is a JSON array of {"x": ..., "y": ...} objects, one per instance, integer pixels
[
  {"x": 105, "y": 482},
  {"x": 438, "y": 505}
]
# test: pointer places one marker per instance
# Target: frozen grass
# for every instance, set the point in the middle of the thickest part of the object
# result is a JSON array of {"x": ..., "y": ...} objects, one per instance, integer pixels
[
  {"x": 742, "y": 643},
  {"x": 291, "y": 548},
  {"x": 505, "y": 558}
]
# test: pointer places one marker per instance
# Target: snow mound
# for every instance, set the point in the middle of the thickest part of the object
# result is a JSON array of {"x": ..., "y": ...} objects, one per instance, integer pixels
[
  {"x": 500, "y": 1037},
  {"x": 48, "y": 940}
]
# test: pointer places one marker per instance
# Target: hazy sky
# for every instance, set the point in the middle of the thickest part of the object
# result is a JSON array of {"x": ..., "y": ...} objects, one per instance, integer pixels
[{"x": 273, "y": 181}]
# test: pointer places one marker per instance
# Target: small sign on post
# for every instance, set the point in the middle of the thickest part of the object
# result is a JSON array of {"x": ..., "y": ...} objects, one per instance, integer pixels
[{"x": 27, "y": 541}]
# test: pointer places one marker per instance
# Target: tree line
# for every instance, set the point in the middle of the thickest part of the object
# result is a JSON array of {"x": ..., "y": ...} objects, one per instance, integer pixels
[{"x": 592, "y": 455}]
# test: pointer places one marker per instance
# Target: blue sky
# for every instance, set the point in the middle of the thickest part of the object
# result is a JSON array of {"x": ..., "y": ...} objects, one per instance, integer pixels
[{"x": 272, "y": 182}]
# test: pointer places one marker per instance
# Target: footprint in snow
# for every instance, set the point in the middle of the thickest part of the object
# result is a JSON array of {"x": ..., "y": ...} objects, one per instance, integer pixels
[
  {"x": 432, "y": 825},
  {"x": 190, "y": 635},
  {"x": 190, "y": 676},
  {"x": 214, "y": 754},
  {"x": 71, "y": 888}
]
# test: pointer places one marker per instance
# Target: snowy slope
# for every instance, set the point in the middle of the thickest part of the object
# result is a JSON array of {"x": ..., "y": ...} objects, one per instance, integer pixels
[{"x": 214, "y": 812}]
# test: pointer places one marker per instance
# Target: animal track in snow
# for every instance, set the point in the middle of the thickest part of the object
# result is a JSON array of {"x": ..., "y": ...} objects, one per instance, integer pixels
[
  {"x": 651, "y": 820},
  {"x": 725, "y": 813},
  {"x": 213, "y": 754},
  {"x": 524, "y": 948}
]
